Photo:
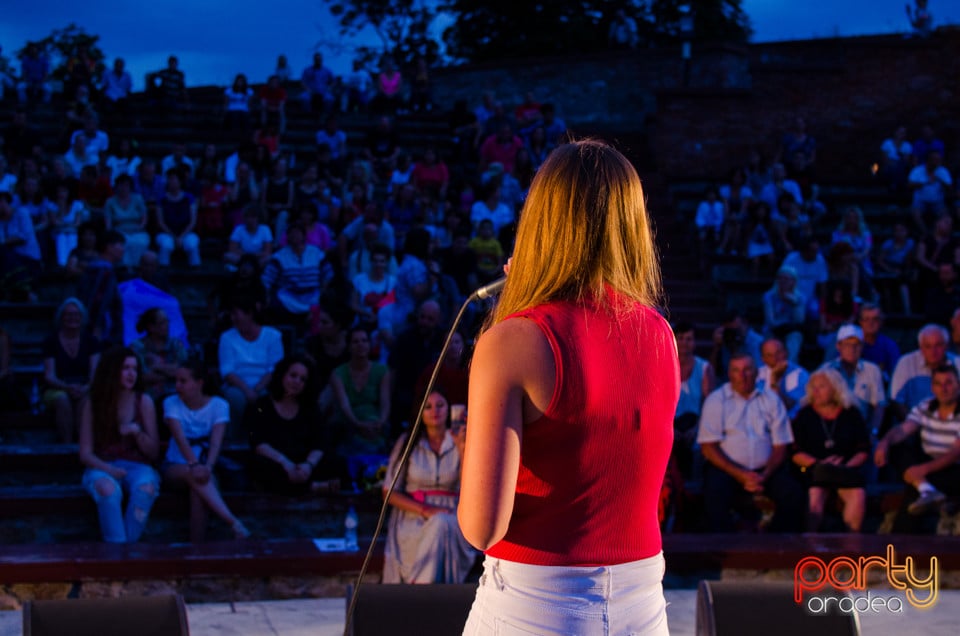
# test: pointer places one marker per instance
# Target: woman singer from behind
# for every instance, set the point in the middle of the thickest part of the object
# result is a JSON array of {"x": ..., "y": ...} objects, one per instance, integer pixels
[{"x": 572, "y": 393}]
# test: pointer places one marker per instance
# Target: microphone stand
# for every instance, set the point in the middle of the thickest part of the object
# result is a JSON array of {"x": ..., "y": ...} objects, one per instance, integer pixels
[{"x": 482, "y": 293}]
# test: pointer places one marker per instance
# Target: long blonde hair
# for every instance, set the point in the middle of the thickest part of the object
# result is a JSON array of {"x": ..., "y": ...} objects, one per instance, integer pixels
[
  {"x": 584, "y": 227},
  {"x": 842, "y": 396}
]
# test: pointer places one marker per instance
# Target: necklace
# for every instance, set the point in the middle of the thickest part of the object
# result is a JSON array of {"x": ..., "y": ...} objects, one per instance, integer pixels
[{"x": 828, "y": 443}]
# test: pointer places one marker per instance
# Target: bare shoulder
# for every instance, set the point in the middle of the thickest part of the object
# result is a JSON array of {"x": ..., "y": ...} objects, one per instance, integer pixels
[{"x": 516, "y": 340}]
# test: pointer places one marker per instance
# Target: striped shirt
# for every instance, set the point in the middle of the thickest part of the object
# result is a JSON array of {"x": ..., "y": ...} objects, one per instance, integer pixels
[
  {"x": 937, "y": 435},
  {"x": 295, "y": 280}
]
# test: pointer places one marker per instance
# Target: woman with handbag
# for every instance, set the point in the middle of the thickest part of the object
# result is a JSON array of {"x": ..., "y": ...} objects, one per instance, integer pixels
[{"x": 831, "y": 447}]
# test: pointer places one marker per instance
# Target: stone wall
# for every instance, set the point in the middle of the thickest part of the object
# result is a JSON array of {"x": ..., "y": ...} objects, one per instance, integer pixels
[{"x": 702, "y": 119}]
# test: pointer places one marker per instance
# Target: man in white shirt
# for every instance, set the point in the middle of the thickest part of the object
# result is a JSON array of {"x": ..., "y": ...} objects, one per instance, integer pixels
[
  {"x": 745, "y": 436},
  {"x": 929, "y": 183},
  {"x": 911, "y": 382}
]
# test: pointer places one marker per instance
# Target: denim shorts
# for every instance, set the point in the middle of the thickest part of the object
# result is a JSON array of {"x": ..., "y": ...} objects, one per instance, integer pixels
[{"x": 517, "y": 599}]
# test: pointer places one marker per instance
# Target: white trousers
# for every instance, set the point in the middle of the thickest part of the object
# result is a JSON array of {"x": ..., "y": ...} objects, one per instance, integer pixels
[{"x": 516, "y": 599}]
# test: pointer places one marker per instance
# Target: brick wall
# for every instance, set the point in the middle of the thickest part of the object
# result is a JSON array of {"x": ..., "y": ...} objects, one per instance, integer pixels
[{"x": 851, "y": 91}]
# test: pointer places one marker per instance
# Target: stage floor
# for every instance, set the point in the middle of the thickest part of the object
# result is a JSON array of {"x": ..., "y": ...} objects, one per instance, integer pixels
[{"x": 324, "y": 617}]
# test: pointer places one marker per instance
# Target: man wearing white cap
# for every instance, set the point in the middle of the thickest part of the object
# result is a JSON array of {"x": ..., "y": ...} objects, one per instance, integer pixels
[{"x": 863, "y": 377}]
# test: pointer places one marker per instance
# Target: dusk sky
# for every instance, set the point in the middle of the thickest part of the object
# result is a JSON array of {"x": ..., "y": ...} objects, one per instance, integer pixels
[{"x": 216, "y": 40}]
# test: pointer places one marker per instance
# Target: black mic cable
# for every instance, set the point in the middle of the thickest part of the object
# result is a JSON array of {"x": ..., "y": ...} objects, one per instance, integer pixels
[{"x": 487, "y": 291}]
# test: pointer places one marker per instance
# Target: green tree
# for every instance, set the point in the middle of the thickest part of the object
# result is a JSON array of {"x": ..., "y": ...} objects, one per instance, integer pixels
[
  {"x": 402, "y": 27},
  {"x": 713, "y": 20},
  {"x": 485, "y": 31},
  {"x": 62, "y": 44}
]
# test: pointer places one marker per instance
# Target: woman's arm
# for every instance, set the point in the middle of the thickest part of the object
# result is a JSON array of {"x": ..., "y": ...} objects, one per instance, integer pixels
[
  {"x": 85, "y": 436},
  {"x": 50, "y": 375},
  {"x": 148, "y": 440},
  {"x": 341, "y": 394},
  {"x": 193, "y": 219},
  {"x": 512, "y": 380},
  {"x": 176, "y": 432},
  {"x": 216, "y": 443}
]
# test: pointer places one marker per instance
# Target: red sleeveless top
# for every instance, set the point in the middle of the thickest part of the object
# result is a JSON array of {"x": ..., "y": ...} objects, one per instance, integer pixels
[{"x": 592, "y": 467}]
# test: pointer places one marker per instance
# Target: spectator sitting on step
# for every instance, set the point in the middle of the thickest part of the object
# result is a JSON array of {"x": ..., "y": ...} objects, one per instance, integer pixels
[
  {"x": 70, "y": 356},
  {"x": 20, "y": 257},
  {"x": 784, "y": 312},
  {"x": 760, "y": 232},
  {"x": 832, "y": 448},
  {"x": 941, "y": 300},
  {"x": 389, "y": 89},
  {"x": 294, "y": 277},
  {"x": 150, "y": 185},
  {"x": 424, "y": 541},
  {"x": 123, "y": 161},
  {"x": 292, "y": 453},
  {"x": 169, "y": 86},
  {"x": 362, "y": 390},
  {"x": 930, "y": 182},
  {"x": 920, "y": 18},
  {"x": 317, "y": 83},
  {"x": 732, "y": 336},
  {"x": 118, "y": 442},
  {"x": 896, "y": 160},
  {"x": 250, "y": 237},
  {"x": 126, "y": 212},
  {"x": 782, "y": 376},
  {"x": 178, "y": 159},
  {"x": 160, "y": 355},
  {"x": 197, "y": 423},
  {"x": 911, "y": 379},
  {"x": 797, "y": 139},
  {"x": 697, "y": 381},
  {"x": 77, "y": 157},
  {"x": 745, "y": 437},
  {"x": 98, "y": 142},
  {"x": 938, "y": 247},
  {"x": 236, "y": 105},
  {"x": 895, "y": 263},
  {"x": 85, "y": 252},
  {"x": 276, "y": 196},
  {"x": 927, "y": 142},
  {"x": 247, "y": 354},
  {"x": 500, "y": 147},
  {"x": 273, "y": 104},
  {"x": 778, "y": 185},
  {"x": 863, "y": 378},
  {"x": 878, "y": 348},
  {"x": 98, "y": 289},
  {"x": 737, "y": 198},
  {"x": 117, "y": 86},
  {"x": 334, "y": 137},
  {"x": 34, "y": 75},
  {"x": 854, "y": 230},
  {"x": 710, "y": 218},
  {"x": 791, "y": 223},
  {"x": 359, "y": 87},
  {"x": 176, "y": 220},
  {"x": 931, "y": 471},
  {"x": 374, "y": 289}
]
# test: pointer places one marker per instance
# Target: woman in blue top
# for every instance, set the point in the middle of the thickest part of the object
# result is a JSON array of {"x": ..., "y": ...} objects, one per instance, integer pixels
[{"x": 197, "y": 424}]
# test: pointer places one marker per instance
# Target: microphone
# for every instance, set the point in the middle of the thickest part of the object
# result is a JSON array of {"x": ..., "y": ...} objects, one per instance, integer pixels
[{"x": 489, "y": 291}]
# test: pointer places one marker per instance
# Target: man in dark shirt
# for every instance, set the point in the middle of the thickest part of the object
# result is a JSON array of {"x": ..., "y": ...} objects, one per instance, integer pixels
[
  {"x": 99, "y": 292},
  {"x": 170, "y": 85},
  {"x": 413, "y": 350},
  {"x": 20, "y": 139}
]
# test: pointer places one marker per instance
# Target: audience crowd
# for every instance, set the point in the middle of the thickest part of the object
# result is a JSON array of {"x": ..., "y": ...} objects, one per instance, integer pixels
[{"x": 343, "y": 266}]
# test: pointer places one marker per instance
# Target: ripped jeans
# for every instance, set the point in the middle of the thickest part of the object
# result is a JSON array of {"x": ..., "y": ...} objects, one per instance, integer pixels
[{"x": 142, "y": 483}]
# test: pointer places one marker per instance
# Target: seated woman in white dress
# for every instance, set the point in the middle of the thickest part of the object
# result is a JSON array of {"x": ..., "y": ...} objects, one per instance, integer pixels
[{"x": 424, "y": 542}]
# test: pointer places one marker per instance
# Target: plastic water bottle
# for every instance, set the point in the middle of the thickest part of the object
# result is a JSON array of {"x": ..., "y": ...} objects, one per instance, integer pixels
[
  {"x": 35, "y": 398},
  {"x": 350, "y": 531}
]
